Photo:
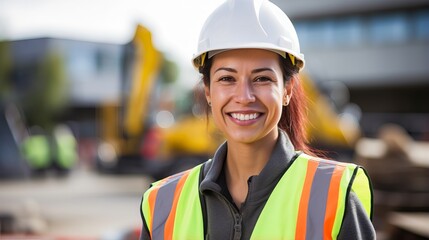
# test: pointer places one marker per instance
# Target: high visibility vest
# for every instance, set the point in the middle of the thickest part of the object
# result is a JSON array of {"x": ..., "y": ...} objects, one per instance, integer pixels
[{"x": 307, "y": 203}]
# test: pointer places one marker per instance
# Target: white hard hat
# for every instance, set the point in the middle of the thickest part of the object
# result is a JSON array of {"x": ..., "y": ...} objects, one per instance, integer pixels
[{"x": 238, "y": 24}]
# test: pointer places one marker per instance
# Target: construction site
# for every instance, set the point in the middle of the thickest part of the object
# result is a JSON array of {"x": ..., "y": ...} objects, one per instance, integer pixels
[{"x": 87, "y": 126}]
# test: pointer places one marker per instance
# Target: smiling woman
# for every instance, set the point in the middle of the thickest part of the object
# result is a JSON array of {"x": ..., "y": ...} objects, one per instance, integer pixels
[
  {"x": 245, "y": 83},
  {"x": 264, "y": 182}
]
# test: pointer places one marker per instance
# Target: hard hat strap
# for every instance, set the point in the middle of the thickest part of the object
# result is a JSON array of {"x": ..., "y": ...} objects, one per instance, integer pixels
[{"x": 292, "y": 58}]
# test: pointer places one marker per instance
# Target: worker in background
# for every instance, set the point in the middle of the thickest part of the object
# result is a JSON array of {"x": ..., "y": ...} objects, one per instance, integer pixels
[
  {"x": 65, "y": 143},
  {"x": 264, "y": 182},
  {"x": 46, "y": 152},
  {"x": 36, "y": 150}
]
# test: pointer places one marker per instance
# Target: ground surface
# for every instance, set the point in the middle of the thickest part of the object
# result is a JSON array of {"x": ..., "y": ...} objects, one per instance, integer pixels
[{"x": 82, "y": 205}]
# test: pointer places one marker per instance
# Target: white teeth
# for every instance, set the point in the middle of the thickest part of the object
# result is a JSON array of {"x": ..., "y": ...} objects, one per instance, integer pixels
[{"x": 244, "y": 117}]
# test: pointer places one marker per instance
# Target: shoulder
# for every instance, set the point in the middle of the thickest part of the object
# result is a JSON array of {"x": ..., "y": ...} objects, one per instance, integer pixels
[
  {"x": 323, "y": 164},
  {"x": 305, "y": 156},
  {"x": 350, "y": 169},
  {"x": 165, "y": 189},
  {"x": 173, "y": 180}
]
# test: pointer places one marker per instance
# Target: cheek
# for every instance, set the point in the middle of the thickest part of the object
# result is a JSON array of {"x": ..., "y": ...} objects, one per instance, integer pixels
[
  {"x": 274, "y": 101},
  {"x": 218, "y": 95},
  {"x": 275, "y": 96}
]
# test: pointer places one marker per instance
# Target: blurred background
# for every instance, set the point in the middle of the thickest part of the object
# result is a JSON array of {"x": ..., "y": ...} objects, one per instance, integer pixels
[{"x": 97, "y": 101}]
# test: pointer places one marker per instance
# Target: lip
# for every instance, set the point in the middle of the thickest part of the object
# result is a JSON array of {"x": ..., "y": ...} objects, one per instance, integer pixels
[{"x": 244, "y": 118}]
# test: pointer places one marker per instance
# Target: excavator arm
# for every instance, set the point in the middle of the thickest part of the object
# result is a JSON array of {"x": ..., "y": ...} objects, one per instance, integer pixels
[{"x": 145, "y": 69}]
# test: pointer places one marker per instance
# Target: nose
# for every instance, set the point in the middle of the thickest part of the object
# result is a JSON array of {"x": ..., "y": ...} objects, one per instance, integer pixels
[{"x": 244, "y": 93}]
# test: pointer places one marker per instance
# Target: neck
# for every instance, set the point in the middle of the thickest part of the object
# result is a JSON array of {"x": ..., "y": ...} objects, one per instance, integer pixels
[{"x": 245, "y": 160}]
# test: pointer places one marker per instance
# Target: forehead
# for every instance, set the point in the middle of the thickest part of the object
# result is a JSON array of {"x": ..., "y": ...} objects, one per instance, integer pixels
[{"x": 247, "y": 57}]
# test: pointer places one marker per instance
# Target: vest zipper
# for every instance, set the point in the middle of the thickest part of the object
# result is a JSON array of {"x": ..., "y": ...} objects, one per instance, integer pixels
[
  {"x": 238, "y": 217},
  {"x": 237, "y": 226}
]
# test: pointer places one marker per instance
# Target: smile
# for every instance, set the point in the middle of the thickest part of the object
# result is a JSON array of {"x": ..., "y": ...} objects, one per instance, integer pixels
[{"x": 244, "y": 117}]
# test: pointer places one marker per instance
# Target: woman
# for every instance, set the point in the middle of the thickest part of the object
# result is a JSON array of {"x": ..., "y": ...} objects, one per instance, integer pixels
[{"x": 262, "y": 183}]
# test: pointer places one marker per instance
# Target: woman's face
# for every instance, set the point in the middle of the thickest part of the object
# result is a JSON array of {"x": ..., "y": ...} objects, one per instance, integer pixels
[{"x": 246, "y": 94}]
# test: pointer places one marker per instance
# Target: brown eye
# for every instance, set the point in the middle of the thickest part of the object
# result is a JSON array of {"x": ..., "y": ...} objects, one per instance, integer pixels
[
  {"x": 226, "y": 79},
  {"x": 263, "y": 79}
]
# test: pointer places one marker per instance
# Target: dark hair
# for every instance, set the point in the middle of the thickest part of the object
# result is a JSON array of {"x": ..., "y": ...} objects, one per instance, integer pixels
[{"x": 293, "y": 119}]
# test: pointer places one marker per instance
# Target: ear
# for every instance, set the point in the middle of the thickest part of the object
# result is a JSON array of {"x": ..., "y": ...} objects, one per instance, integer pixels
[
  {"x": 288, "y": 89},
  {"x": 207, "y": 94}
]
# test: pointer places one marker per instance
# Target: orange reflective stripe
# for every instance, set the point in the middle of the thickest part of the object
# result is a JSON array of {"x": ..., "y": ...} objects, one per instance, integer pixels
[
  {"x": 332, "y": 202},
  {"x": 169, "y": 224},
  {"x": 305, "y": 197},
  {"x": 152, "y": 201}
]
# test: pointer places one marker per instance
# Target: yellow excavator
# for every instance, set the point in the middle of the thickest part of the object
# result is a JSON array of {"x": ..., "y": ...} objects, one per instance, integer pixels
[
  {"x": 327, "y": 129},
  {"x": 129, "y": 141},
  {"x": 122, "y": 123}
]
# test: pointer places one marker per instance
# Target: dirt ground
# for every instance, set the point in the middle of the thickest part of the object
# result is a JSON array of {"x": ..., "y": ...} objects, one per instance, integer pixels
[{"x": 82, "y": 205}]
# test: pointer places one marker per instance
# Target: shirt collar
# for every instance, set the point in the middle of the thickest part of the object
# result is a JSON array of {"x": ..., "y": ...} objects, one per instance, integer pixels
[{"x": 279, "y": 160}]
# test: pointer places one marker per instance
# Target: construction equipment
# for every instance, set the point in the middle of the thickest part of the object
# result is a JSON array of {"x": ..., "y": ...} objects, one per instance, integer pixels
[
  {"x": 122, "y": 123},
  {"x": 130, "y": 142},
  {"x": 328, "y": 130}
]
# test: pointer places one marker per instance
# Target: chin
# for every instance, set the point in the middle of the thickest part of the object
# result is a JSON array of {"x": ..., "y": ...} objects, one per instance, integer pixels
[{"x": 245, "y": 138}]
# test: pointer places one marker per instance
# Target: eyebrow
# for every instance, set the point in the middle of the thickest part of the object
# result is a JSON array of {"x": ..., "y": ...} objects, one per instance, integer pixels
[
  {"x": 226, "y": 69},
  {"x": 258, "y": 70}
]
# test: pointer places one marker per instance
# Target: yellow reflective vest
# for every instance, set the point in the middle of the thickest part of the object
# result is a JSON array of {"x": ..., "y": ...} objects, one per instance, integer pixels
[{"x": 308, "y": 202}]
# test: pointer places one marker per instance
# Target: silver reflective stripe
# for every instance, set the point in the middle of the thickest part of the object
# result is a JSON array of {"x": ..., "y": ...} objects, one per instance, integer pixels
[
  {"x": 317, "y": 202},
  {"x": 164, "y": 201}
]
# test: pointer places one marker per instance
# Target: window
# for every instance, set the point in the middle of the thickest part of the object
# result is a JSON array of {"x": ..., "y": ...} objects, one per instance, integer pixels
[
  {"x": 330, "y": 32},
  {"x": 348, "y": 31},
  {"x": 391, "y": 28},
  {"x": 82, "y": 63},
  {"x": 422, "y": 24}
]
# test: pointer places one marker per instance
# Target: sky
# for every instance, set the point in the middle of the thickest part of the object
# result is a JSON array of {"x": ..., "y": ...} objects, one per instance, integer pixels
[{"x": 175, "y": 24}]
